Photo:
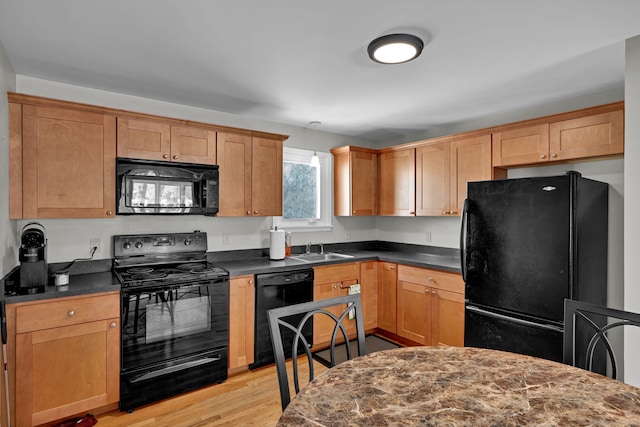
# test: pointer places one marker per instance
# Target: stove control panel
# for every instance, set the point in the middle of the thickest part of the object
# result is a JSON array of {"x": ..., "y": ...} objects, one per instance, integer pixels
[{"x": 158, "y": 244}]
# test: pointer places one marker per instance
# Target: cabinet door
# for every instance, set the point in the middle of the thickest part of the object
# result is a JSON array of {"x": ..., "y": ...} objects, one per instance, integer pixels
[
  {"x": 414, "y": 312},
  {"x": 193, "y": 145},
  {"x": 68, "y": 163},
  {"x": 144, "y": 139},
  {"x": 432, "y": 179},
  {"x": 369, "y": 291},
  {"x": 387, "y": 285},
  {"x": 234, "y": 159},
  {"x": 397, "y": 183},
  {"x": 241, "y": 322},
  {"x": 65, "y": 371},
  {"x": 322, "y": 326},
  {"x": 521, "y": 146},
  {"x": 447, "y": 322},
  {"x": 364, "y": 183},
  {"x": 470, "y": 161},
  {"x": 591, "y": 136},
  {"x": 266, "y": 177}
]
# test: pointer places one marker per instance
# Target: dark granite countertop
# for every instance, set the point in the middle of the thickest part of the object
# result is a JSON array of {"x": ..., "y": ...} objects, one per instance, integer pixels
[{"x": 96, "y": 276}]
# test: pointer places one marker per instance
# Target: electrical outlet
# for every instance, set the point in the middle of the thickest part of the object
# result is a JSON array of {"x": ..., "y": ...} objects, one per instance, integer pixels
[
  {"x": 427, "y": 236},
  {"x": 225, "y": 238},
  {"x": 95, "y": 242}
]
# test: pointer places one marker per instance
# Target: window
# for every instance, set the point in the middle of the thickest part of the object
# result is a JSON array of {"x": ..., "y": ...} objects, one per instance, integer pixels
[{"x": 306, "y": 192}]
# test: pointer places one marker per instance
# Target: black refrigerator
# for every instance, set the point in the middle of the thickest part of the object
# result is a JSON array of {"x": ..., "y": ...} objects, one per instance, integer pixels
[{"x": 527, "y": 244}]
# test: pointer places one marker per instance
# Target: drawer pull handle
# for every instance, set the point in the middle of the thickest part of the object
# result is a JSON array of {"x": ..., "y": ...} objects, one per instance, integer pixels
[
  {"x": 71, "y": 313},
  {"x": 113, "y": 324}
]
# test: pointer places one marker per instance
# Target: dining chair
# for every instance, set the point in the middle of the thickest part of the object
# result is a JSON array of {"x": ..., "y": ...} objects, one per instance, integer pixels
[
  {"x": 280, "y": 319},
  {"x": 588, "y": 325}
]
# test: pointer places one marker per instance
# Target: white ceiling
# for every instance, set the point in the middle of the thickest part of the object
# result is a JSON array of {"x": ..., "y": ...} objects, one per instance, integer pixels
[{"x": 294, "y": 61}]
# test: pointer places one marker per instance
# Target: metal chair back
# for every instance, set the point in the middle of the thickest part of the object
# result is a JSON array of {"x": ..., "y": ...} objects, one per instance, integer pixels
[
  {"x": 278, "y": 319},
  {"x": 587, "y": 338}
]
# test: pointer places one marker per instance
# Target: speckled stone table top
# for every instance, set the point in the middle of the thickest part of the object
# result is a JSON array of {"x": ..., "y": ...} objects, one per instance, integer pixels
[{"x": 450, "y": 386}]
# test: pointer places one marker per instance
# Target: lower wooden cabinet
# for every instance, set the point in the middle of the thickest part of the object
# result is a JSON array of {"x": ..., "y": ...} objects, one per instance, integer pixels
[
  {"x": 387, "y": 292},
  {"x": 332, "y": 281},
  {"x": 67, "y": 357},
  {"x": 369, "y": 291},
  {"x": 241, "y": 321},
  {"x": 430, "y": 306}
]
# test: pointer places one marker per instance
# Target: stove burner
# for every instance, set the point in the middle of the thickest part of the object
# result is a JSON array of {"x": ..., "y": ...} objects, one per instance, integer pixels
[
  {"x": 189, "y": 267},
  {"x": 202, "y": 269},
  {"x": 150, "y": 275},
  {"x": 139, "y": 270}
]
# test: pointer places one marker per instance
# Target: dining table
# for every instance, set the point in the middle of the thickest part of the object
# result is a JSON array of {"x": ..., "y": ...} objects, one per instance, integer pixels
[{"x": 461, "y": 386}]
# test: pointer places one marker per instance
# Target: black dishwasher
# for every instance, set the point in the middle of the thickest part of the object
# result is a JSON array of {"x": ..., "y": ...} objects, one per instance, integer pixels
[{"x": 278, "y": 290}]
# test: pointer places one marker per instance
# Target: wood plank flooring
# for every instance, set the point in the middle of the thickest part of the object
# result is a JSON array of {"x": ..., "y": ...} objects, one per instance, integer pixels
[{"x": 247, "y": 399}]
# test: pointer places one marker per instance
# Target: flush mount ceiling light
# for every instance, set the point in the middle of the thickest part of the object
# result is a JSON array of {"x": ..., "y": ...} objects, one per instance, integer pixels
[{"x": 395, "y": 48}]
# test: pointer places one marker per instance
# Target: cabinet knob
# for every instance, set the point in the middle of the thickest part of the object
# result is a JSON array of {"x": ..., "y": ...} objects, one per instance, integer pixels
[
  {"x": 430, "y": 279},
  {"x": 175, "y": 157},
  {"x": 250, "y": 281},
  {"x": 248, "y": 212},
  {"x": 543, "y": 156},
  {"x": 433, "y": 292},
  {"x": 255, "y": 212},
  {"x": 412, "y": 213},
  {"x": 453, "y": 212},
  {"x": 113, "y": 324},
  {"x": 109, "y": 213},
  {"x": 165, "y": 156},
  {"x": 71, "y": 313},
  {"x": 445, "y": 212},
  {"x": 354, "y": 212},
  {"x": 554, "y": 155}
]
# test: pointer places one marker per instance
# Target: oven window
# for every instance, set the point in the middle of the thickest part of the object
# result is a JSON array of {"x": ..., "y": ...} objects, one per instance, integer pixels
[
  {"x": 160, "y": 193},
  {"x": 171, "y": 316}
]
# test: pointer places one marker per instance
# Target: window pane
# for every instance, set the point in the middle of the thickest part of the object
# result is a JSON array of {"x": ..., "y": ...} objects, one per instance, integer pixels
[{"x": 300, "y": 191}]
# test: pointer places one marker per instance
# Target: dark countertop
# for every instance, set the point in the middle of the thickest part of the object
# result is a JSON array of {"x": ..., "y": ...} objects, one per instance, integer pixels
[
  {"x": 445, "y": 262},
  {"x": 96, "y": 276}
]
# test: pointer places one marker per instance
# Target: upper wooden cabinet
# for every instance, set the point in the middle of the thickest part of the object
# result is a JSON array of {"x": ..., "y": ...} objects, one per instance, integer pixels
[
  {"x": 62, "y": 163},
  {"x": 470, "y": 160},
  {"x": 590, "y": 133},
  {"x": 397, "y": 182},
  {"x": 355, "y": 181},
  {"x": 433, "y": 179},
  {"x": 250, "y": 175},
  {"x": 157, "y": 140}
]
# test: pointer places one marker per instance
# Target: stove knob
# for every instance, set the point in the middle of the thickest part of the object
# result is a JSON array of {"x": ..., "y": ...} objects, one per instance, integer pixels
[
  {"x": 138, "y": 244},
  {"x": 127, "y": 245},
  {"x": 187, "y": 242}
]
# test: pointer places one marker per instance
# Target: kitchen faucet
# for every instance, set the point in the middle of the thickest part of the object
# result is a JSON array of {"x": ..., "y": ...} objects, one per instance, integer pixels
[{"x": 308, "y": 251}]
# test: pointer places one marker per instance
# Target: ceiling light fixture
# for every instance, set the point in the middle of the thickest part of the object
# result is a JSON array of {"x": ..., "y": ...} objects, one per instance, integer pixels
[
  {"x": 315, "y": 160},
  {"x": 395, "y": 48}
]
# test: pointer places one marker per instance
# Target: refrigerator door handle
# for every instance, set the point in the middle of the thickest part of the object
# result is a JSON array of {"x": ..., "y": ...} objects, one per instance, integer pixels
[
  {"x": 463, "y": 239},
  {"x": 515, "y": 320}
]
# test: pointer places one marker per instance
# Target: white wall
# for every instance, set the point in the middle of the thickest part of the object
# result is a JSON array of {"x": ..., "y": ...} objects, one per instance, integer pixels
[
  {"x": 8, "y": 239},
  {"x": 69, "y": 238},
  {"x": 632, "y": 204}
]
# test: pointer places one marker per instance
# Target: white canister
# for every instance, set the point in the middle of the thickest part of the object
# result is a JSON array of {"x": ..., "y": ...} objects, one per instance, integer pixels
[{"x": 276, "y": 250}]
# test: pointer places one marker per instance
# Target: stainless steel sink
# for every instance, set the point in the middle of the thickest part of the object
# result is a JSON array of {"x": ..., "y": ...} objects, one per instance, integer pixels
[{"x": 329, "y": 256}]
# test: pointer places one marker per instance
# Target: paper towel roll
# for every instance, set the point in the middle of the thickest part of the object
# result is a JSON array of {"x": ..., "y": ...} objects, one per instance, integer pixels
[{"x": 276, "y": 250}]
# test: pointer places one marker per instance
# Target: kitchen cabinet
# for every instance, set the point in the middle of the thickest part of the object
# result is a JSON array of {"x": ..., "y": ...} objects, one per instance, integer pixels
[
  {"x": 158, "y": 140},
  {"x": 387, "y": 296},
  {"x": 67, "y": 356},
  {"x": 397, "y": 182},
  {"x": 355, "y": 181},
  {"x": 470, "y": 160},
  {"x": 332, "y": 281},
  {"x": 369, "y": 271},
  {"x": 62, "y": 162},
  {"x": 590, "y": 133},
  {"x": 241, "y": 322},
  {"x": 432, "y": 179},
  {"x": 250, "y": 175},
  {"x": 430, "y": 306}
]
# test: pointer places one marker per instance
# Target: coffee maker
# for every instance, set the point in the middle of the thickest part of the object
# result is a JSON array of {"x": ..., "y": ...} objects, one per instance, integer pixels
[{"x": 33, "y": 259}]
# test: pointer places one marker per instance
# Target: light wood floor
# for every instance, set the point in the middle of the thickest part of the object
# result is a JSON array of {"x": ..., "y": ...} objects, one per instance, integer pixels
[{"x": 247, "y": 399}]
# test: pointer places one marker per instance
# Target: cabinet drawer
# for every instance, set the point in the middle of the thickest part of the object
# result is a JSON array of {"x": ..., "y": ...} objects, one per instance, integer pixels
[
  {"x": 66, "y": 312},
  {"x": 336, "y": 273},
  {"x": 432, "y": 278}
]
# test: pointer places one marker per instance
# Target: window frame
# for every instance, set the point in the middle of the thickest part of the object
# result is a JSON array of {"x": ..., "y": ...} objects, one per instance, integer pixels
[{"x": 290, "y": 154}]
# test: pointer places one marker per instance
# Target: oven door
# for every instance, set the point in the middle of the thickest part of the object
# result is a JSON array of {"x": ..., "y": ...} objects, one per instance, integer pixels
[{"x": 172, "y": 322}]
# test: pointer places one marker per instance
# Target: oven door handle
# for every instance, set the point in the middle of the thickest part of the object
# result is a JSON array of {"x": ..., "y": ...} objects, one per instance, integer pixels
[{"x": 175, "y": 368}]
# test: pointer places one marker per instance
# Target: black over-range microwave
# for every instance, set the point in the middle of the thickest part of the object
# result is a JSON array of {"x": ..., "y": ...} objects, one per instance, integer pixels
[{"x": 165, "y": 188}]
